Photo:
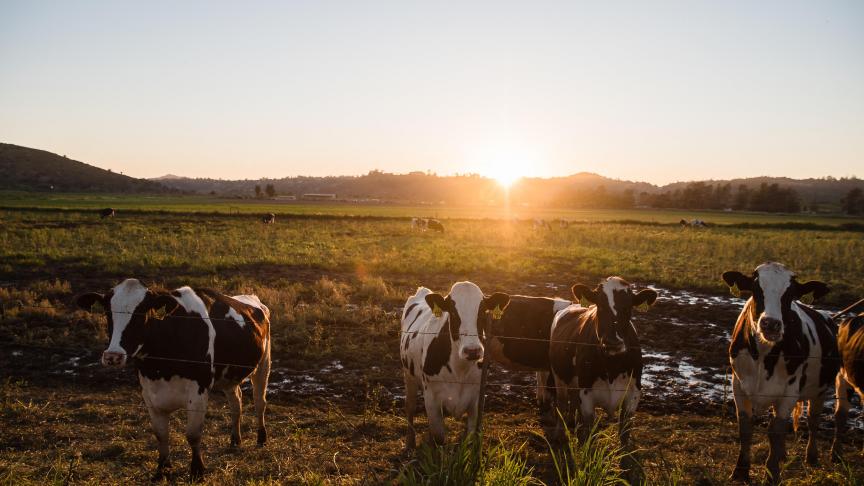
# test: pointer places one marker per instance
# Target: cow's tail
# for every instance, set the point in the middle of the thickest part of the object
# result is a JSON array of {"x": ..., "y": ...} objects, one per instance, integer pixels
[{"x": 796, "y": 414}]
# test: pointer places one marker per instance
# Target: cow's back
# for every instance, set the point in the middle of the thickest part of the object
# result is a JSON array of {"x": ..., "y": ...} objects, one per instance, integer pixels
[
  {"x": 242, "y": 331},
  {"x": 520, "y": 339}
]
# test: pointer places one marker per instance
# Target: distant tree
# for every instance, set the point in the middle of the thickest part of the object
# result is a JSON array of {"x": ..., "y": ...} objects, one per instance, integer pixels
[
  {"x": 742, "y": 198},
  {"x": 853, "y": 203},
  {"x": 257, "y": 190},
  {"x": 270, "y": 190}
]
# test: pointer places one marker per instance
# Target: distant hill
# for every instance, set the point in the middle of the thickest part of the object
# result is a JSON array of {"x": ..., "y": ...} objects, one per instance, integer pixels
[
  {"x": 577, "y": 190},
  {"x": 23, "y": 168}
]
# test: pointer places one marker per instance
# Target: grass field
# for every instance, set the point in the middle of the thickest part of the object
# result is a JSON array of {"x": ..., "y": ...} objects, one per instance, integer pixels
[
  {"x": 210, "y": 204},
  {"x": 335, "y": 285}
]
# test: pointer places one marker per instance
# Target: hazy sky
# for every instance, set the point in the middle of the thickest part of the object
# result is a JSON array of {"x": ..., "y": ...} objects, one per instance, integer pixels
[{"x": 656, "y": 91}]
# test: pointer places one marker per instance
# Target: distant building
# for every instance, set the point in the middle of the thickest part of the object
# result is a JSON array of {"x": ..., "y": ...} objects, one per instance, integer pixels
[
  {"x": 319, "y": 197},
  {"x": 285, "y": 198}
]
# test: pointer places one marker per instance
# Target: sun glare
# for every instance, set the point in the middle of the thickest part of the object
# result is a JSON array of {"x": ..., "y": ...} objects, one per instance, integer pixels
[{"x": 505, "y": 163}]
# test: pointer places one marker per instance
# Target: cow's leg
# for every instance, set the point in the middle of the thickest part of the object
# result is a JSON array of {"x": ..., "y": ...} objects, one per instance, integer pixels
[
  {"x": 435, "y": 416},
  {"x": 561, "y": 410},
  {"x": 744, "y": 412},
  {"x": 814, "y": 410},
  {"x": 159, "y": 422},
  {"x": 841, "y": 415},
  {"x": 235, "y": 402},
  {"x": 625, "y": 415},
  {"x": 777, "y": 438},
  {"x": 410, "y": 409},
  {"x": 260, "y": 377},
  {"x": 195, "y": 414},
  {"x": 585, "y": 423},
  {"x": 545, "y": 394},
  {"x": 473, "y": 415}
]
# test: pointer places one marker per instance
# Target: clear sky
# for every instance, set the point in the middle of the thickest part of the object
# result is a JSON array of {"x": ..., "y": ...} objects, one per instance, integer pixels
[{"x": 655, "y": 91}]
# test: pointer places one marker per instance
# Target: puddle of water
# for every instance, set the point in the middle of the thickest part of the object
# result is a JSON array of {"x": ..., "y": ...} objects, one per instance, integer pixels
[{"x": 663, "y": 372}]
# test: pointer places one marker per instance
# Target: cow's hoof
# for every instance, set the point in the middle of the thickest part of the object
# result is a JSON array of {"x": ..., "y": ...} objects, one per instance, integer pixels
[
  {"x": 196, "y": 472},
  {"x": 262, "y": 437},
  {"x": 740, "y": 475}
]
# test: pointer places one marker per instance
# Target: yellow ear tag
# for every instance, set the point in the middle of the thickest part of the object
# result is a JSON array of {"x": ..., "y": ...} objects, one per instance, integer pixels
[
  {"x": 735, "y": 290},
  {"x": 158, "y": 314},
  {"x": 436, "y": 311},
  {"x": 584, "y": 302},
  {"x": 643, "y": 307},
  {"x": 497, "y": 313},
  {"x": 807, "y": 298}
]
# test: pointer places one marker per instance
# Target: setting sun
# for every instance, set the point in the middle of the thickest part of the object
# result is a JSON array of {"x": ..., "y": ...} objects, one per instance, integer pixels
[{"x": 506, "y": 163}]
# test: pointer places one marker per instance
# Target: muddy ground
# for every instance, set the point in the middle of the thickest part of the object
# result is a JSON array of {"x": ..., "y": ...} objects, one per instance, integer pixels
[{"x": 340, "y": 420}]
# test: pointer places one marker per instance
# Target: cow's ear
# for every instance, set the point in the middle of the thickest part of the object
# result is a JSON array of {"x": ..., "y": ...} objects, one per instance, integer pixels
[
  {"x": 583, "y": 293},
  {"x": 436, "y": 303},
  {"x": 737, "y": 281},
  {"x": 159, "y": 301},
  {"x": 644, "y": 298},
  {"x": 815, "y": 288},
  {"x": 88, "y": 300},
  {"x": 496, "y": 303}
]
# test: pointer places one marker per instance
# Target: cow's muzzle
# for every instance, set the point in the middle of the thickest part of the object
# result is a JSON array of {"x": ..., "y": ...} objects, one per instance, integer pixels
[
  {"x": 614, "y": 346},
  {"x": 473, "y": 354},
  {"x": 771, "y": 329},
  {"x": 110, "y": 358}
]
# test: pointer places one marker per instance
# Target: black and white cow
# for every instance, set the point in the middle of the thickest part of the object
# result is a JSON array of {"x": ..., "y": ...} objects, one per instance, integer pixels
[
  {"x": 441, "y": 349},
  {"x": 435, "y": 225},
  {"x": 850, "y": 342},
  {"x": 268, "y": 218},
  {"x": 782, "y": 352},
  {"x": 595, "y": 355},
  {"x": 106, "y": 213},
  {"x": 419, "y": 224},
  {"x": 203, "y": 341},
  {"x": 520, "y": 340}
]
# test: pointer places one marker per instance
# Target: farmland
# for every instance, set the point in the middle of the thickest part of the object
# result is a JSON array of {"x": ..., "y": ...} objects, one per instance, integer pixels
[{"x": 335, "y": 277}]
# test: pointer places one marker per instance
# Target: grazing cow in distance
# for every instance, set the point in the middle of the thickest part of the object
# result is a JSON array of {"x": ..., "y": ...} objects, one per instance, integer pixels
[
  {"x": 435, "y": 225},
  {"x": 541, "y": 224},
  {"x": 420, "y": 224},
  {"x": 106, "y": 213},
  {"x": 520, "y": 340},
  {"x": 850, "y": 343},
  {"x": 596, "y": 357},
  {"x": 783, "y": 353},
  {"x": 186, "y": 343},
  {"x": 268, "y": 218},
  {"x": 441, "y": 349},
  {"x": 696, "y": 223}
]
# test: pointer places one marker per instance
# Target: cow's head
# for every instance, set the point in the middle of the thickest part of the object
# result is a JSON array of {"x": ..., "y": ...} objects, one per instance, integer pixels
[
  {"x": 468, "y": 312},
  {"x": 774, "y": 287},
  {"x": 128, "y": 307},
  {"x": 615, "y": 300}
]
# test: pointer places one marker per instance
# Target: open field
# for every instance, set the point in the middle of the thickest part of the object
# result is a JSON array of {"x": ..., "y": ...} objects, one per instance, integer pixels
[
  {"x": 335, "y": 286},
  {"x": 210, "y": 204}
]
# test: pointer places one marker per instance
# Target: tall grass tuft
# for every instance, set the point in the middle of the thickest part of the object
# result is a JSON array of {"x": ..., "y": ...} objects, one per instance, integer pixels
[
  {"x": 466, "y": 463},
  {"x": 593, "y": 461}
]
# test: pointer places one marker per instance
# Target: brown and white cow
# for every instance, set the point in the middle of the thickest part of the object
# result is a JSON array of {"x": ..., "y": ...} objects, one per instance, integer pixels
[
  {"x": 520, "y": 340},
  {"x": 596, "y": 357},
  {"x": 782, "y": 352},
  {"x": 268, "y": 218},
  {"x": 850, "y": 343},
  {"x": 203, "y": 342},
  {"x": 441, "y": 349},
  {"x": 106, "y": 213}
]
